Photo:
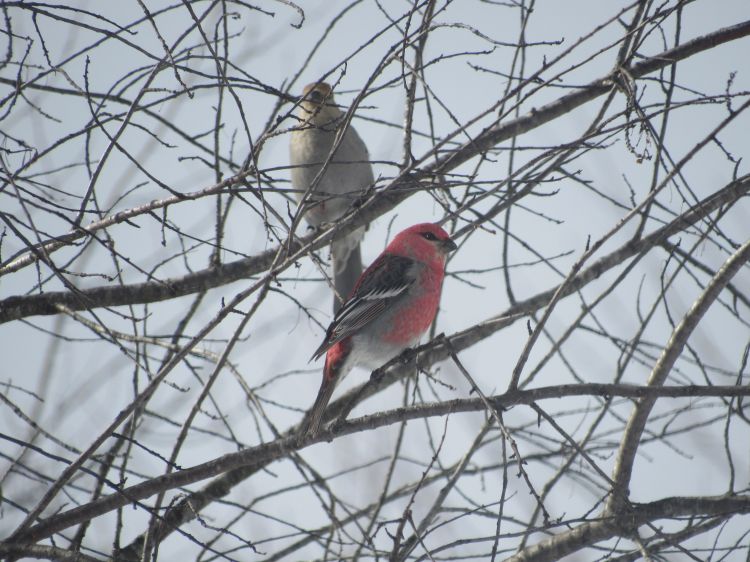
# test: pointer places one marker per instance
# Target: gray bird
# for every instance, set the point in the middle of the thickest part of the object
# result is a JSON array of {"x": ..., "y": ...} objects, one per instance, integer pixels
[{"x": 342, "y": 182}]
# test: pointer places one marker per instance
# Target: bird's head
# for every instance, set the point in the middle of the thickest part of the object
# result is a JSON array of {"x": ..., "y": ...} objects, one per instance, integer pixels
[
  {"x": 317, "y": 103},
  {"x": 426, "y": 242}
]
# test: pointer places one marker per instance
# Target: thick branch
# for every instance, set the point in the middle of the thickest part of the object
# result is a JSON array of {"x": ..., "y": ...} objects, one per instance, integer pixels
[
  {"x": 501, "y": 132},
  {"x": 186, "y": 509},
  {"x": 588, "y": 534},
  {"x": 42, "y": 552},
  {"x": 400, "y": 189},
  {"x": 263, "y": 454},
  {"x": 637, "y": 422}
]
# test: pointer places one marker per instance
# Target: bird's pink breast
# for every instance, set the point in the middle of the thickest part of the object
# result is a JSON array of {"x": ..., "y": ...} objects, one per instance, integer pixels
[{"x": 412, "y": 320}]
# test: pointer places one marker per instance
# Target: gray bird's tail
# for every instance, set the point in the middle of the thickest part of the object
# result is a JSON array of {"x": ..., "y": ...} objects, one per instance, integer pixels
[{"x": 347, "y": 267}]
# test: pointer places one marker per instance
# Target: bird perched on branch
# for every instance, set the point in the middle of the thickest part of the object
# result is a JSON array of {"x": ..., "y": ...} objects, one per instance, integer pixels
[
  {"x": 338, "y": 184},
  {"x": 392, "y": 306}
]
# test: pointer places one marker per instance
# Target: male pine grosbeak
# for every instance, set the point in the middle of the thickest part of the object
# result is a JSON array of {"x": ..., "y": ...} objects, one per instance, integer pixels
[
  {"x": 394, "y": 302},
  {"x": 340, "y": 184}
]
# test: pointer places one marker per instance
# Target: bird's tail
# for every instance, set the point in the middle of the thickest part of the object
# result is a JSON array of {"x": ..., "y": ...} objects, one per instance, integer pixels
[
  {"x": 347, "y": 267},
  {"x": 335, "y": 369},
  {"x": 314, "y": 417}
]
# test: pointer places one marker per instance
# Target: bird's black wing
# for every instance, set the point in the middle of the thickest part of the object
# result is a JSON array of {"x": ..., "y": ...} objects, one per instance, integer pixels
[{"x": 385, "y": 281}]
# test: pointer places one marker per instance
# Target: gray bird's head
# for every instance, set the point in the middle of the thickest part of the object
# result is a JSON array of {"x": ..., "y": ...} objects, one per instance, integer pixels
[{"x": 317, "y": 103}]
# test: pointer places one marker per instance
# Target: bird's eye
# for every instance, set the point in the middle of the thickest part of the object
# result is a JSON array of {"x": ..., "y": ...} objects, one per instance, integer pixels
[
  {"x": 429, "y": 236},
  {"x": 315, "y": 96}
]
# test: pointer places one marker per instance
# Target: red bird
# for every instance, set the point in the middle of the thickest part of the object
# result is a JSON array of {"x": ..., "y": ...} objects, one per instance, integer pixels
[{"x": 393, "y": 303}]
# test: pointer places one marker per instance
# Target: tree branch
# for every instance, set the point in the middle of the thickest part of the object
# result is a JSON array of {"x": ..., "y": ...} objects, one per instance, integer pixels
[
  {"x": 377, "y": 204},
  {"x": 290, "y": 442},
  {"x": 637, "y": 422},
  {"x": 590, "y": 533},
  {"x": 186, "y": 509}
]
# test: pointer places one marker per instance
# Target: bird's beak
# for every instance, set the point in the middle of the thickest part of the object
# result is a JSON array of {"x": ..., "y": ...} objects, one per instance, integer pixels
[{"x": 448, "y": 246}]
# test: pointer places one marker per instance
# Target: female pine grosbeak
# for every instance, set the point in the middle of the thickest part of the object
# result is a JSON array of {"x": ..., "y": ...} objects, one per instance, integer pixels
[
  {"x": 394, "y": 302},
  {"x": 340, "y": 184}
]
